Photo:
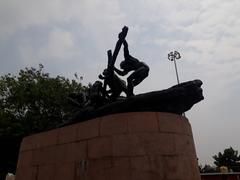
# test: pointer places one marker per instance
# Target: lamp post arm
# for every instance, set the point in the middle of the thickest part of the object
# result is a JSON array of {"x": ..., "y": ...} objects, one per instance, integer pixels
[{"x": 176, "y": 70}]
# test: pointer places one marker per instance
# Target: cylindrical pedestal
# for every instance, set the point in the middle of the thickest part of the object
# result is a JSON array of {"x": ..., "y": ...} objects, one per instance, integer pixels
[{"x": 127, "y": 146}]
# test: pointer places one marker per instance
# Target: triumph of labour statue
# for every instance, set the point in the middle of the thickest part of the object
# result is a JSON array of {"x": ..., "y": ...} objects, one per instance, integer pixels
[{"x": 104, "y": 96}]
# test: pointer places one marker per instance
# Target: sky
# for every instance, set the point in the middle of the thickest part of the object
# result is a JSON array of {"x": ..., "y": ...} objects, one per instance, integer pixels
[{"x": 73, "y": 36}]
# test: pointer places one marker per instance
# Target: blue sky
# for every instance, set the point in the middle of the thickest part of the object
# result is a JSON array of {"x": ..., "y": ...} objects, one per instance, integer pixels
[{"x": 74, "y": 36}]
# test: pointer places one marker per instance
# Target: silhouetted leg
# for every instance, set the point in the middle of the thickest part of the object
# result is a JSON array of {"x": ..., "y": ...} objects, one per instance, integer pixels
[
  {"x": 139, "y": 75},
  {"x": 136, "y": 77},
  {"x": 130, "y": 87}
]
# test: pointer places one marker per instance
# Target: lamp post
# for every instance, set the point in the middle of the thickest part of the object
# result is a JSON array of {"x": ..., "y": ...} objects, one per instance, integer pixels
[{"x": 172, "y": 56}]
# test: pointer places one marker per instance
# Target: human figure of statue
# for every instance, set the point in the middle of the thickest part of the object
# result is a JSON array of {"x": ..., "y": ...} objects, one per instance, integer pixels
[
  {"x": 130, "y": 63},
  {"x": 116, "y": 85}
]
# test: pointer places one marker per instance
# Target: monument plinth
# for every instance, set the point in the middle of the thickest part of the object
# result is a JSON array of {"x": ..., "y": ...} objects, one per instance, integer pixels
[{"x": 125, "y": 146}]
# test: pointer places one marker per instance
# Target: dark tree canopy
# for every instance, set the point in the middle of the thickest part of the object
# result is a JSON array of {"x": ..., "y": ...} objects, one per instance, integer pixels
[
  {"x": 31, "y": 102},
  {"x": 228, "y": 158}
]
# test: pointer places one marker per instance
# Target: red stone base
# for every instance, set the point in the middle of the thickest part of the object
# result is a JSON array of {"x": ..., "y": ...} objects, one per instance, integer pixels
[{"x": 128, "y": 146}]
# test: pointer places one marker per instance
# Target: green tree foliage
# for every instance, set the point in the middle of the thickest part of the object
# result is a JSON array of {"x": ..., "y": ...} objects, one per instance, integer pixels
[
  {"x": 32, "y": 102},
  {"x": 228, "y": 158}
]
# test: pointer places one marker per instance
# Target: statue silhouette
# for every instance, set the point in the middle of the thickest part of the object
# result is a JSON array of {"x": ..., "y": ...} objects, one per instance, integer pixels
[{"x": 130, "y": 63}]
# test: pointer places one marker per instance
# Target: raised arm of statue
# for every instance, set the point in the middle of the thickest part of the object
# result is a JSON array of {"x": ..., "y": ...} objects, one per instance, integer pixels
[
  {"x": 125, "y": 49},
  {"x": 122, "y": 35}
]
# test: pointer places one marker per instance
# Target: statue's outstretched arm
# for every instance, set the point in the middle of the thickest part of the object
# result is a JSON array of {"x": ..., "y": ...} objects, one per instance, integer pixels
[{"x": 119, "y": 72}]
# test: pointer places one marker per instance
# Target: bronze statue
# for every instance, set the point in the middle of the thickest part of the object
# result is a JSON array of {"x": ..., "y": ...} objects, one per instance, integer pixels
[
  {"x": 130, "y": 63},
  {"x": 104, "y": 98},
  {"x": 115, "y": 84}
]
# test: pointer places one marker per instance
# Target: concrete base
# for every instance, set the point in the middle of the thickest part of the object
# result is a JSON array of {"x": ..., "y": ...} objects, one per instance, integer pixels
[{"x": 127, "y": 146}]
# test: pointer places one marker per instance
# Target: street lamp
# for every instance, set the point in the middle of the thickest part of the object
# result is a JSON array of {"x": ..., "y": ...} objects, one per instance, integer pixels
[{"x": 172, "y": 56}]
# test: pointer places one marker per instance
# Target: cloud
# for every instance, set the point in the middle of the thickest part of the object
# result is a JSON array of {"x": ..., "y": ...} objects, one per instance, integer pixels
[
  {"x": 16, "y": 15},
  {"x": 60, "y": 45}
]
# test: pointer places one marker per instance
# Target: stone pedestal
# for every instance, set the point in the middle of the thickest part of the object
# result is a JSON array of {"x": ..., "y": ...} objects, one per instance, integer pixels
[{"x": 127, "y": 146}]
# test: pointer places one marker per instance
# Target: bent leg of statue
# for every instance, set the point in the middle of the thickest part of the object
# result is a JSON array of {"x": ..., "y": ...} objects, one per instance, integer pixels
[{"x": 130, "y": 87}]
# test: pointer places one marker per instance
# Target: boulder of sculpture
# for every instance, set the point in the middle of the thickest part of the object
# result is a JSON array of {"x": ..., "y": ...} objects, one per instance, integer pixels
[{"x": 177, "y": 99}]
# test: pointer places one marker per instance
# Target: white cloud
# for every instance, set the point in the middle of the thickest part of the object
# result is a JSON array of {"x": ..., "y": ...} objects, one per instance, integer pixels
[
  {"x": 60, "y": 45},
  {"x": 27, "y": 54}
]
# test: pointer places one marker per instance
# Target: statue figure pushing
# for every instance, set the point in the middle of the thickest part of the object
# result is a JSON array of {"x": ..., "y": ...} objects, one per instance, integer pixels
[
  {"x": 116, "y": 85},
  {"x": 130, "y": 63}
]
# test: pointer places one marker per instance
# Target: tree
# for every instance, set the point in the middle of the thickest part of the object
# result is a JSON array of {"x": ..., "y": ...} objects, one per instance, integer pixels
[
  {"x": 31, "y": 102},
  {"x": 228, "y": 158},
  {"x": 207, "y": 169}
]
